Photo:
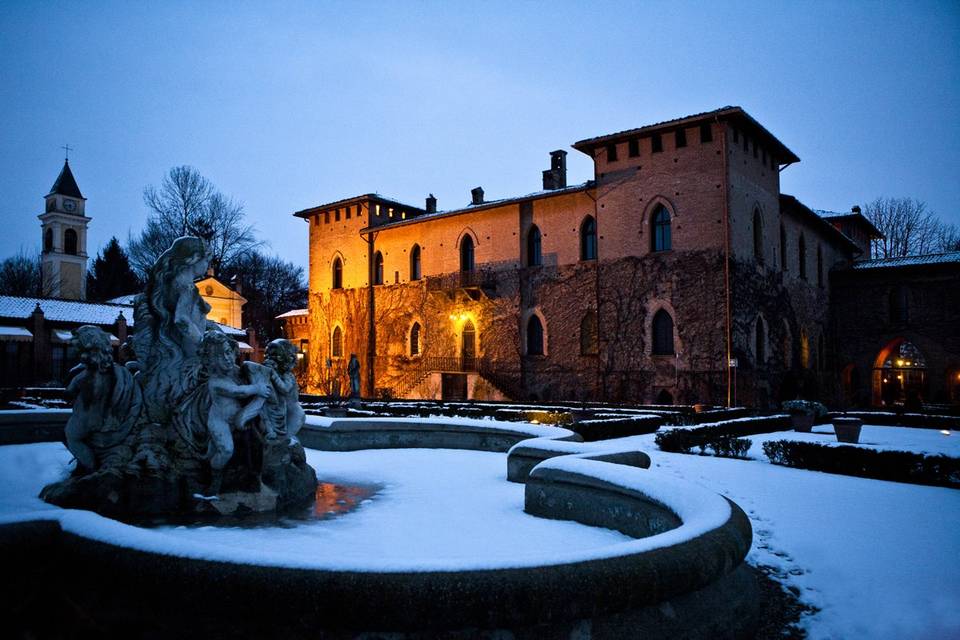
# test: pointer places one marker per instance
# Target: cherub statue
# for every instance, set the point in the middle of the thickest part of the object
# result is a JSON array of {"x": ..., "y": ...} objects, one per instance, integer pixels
[
  {"x": 106, "y": 406},
  {"x": 281, "y": 413}
]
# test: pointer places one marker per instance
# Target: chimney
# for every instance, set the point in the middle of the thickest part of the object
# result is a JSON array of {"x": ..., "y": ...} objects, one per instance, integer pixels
[
  {"x": 556, "y": 176},
  {"x": 476, "y": 195},
  {"x": 431, "y": 204},
  {"x": 855, "y": 208}
]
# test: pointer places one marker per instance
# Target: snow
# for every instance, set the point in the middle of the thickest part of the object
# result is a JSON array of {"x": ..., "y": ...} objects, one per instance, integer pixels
[
  {"x": 926, "y": 441},
  {"x": 522, "y": 428}
]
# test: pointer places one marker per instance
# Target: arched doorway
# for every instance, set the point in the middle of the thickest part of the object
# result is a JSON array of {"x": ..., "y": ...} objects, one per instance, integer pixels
[
  {"x": 899, "y": 376},
  {"x": 468, "y": 345}
]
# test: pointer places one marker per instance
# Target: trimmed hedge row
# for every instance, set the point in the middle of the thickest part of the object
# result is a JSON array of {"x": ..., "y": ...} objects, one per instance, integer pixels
[
  {"x": 713, "y": 435},
  {"x": 896, "y": 466},
  {"x": 917, "y": 420}
]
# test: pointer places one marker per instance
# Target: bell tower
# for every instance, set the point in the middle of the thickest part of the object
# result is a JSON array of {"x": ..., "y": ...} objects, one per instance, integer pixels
[{"x": 63, "y": 226}]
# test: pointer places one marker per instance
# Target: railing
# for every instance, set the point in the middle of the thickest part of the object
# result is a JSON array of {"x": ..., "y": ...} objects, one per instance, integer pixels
[{"x": 477, "y": 279}]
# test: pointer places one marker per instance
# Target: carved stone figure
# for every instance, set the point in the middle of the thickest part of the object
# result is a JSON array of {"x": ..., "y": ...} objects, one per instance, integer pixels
[
  {"x": 353, "y": 370},
  {"x": 106, "y": 403},
  {"x": 280, "y": 413}
]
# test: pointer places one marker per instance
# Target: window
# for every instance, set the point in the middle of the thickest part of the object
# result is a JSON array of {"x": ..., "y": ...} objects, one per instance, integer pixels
[
  {"x": 588, "y": 239},
  {"x": 466, "y": 253},
  {"x": 656, "y": 143},
  {"x": 662, "y": 333},
  {"x": 802, "y": 256},
  {"x": 589, "y": 344},
  {"x": 48, "y": 240},
  {"x": 348, "y": 212},
  {"x": 706, "y": 133},
  {"x": 760, "y": 342},
  {"x": 819, "y": 266},
  {"x": 804, "y": 349},
  {"x": 661, "y": 229},
  {"x": 534, "y": 336},
  {"x": 70, "y": 242},
  {"x": 633, "y": 148},
  {"x": 534, "y": 258},
  {"x": 337, "y": 274},
  {"x": 415, "y": 272},
  {"x": 415, "y": 339},
  {"x": 680, "y": 137},
  {"x": 336, "y": 215},
  {"x": 783, "y": 248},
  {"x": 378, "y": 268},
  {"x": 611, "y": 152},
  {"x": 326, "y": 217},
  {"x": 336, "y": 343},
  {"x": 758, "y": 236}
]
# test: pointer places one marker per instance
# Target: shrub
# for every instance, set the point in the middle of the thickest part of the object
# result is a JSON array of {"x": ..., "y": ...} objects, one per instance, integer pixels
[
  {"x": 896, "y": 466},
  {"x": 730, "y": 447},
  {"x": 805, "y": 407},
  {"x": 683, "y": 440}
]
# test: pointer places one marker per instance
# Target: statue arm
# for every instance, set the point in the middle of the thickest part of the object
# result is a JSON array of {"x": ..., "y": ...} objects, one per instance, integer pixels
[{"x": 232, "y": 390}]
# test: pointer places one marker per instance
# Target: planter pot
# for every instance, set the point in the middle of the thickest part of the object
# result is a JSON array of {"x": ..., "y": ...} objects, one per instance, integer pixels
[
  {"x": 847, "y": 429},
  {"x": 699, "y": 408},
  {"x": 801, "y": 422}
]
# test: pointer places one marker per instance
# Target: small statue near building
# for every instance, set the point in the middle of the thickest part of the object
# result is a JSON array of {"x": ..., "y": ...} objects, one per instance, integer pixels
[{"x": 353, "y": 370}]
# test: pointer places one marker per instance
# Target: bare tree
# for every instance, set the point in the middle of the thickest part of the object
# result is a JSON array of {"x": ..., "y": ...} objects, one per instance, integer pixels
[
  {"x": 909, "y": 229},
  {"x": 186, "y": 203},
  {"x": 20, "y": 274},
  {"x": 271, "y": 286}
]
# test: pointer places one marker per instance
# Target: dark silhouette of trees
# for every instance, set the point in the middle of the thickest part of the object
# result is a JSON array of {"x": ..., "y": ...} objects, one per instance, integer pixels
[
  {"x": 909, "y": 229},
  {"x": 111, "y": 275},
  {"x": 20, "y": 275},
  {"x": 271, "y": 286}
]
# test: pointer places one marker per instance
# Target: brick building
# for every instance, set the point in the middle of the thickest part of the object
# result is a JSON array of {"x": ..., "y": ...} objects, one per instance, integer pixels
[{"x": 679, "y": 273}]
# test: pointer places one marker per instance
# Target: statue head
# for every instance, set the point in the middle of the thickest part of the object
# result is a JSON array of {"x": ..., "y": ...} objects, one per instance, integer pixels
[
  {"x": 186, "y": 253},
  {"x": 218, "y": 352},
  {"x": 281, "y": 354},
  {"x": 92, "y": 345}
]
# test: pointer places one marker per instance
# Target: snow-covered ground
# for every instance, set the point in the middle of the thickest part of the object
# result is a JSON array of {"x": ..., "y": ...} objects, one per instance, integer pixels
[
  {"x": 878, "y": 559},
  {"x": 926, "y": 441}
]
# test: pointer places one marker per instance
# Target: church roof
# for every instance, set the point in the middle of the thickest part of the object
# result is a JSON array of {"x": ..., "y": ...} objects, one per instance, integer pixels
[{"x": 66, "y": 184}]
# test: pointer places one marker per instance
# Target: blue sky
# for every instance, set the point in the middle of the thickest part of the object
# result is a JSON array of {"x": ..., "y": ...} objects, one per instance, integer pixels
[{"x": 287, "y": 108}]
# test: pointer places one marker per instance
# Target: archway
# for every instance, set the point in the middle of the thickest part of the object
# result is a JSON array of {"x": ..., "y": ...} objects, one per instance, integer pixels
[
  {"x": 468, "y": 344},
  {"x": 899, "y": 376}
]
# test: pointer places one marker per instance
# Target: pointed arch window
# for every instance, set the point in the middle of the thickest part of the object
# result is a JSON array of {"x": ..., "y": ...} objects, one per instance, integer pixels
[
  {"x": 337, "y": 280},
  {"x": 48, "y": 240},
  {"x": 804, "y": 349},
  {"x": 534, "y": 256},
  {"x": 588, "y": 239},
  {"x": 589, "y": 343},
  {"x": 758, "y": 236},
  {"x": 415, "y": 339},
  {"x": 415, "y": 270},
  {"x": 378, "y": 268},
  {"x": 534, "y": 336},
  {"x": 662, "y": 330},
  {"x": 760, "y": 342},
  {"x": 336, "y": 343},
  {"x": 660, "y": 226},
  {"x": 70, "y": 242},
  {"x": 466, "y": 253},
  {"x": 802, "y": 256},
  {"x": 783, "y": 248}
]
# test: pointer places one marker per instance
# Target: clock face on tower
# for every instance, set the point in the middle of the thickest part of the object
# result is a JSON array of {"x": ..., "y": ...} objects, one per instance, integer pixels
[{"x": 69, "y": 205}]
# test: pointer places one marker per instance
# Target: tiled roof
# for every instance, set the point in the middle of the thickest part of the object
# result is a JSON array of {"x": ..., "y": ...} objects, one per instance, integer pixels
[
  {"x": 950, "y": 257},
  {"x": 293, "y": 313},
  {"x": 66, "y": 184}
]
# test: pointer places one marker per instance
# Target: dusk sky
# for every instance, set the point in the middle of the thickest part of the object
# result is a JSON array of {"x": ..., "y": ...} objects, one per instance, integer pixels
[{"x": 286, "y": 109}]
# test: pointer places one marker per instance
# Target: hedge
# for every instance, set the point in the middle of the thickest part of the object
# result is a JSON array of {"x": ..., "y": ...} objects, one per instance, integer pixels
[
  {"x": 896, "y": 466},
  {"x": 709, "y": 435}
]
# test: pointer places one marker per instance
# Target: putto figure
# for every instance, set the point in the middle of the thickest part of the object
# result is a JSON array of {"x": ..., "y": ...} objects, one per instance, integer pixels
[
  {"x": 282, "y": 414},
  {"x": 106, "y": 404}
]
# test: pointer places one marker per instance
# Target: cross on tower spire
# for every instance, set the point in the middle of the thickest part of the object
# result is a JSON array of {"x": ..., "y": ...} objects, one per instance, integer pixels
[{"x": 67, "y": 148}]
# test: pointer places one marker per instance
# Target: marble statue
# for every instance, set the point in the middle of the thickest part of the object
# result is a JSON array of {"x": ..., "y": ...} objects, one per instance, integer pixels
[
  {"x": 182, "y": 425},
  {"x": 106, "y": 403},
  {"x": 353, "y": 370}
]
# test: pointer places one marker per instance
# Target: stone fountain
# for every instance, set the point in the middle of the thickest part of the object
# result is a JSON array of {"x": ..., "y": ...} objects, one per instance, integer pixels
[{"x": 182, "y": 428}]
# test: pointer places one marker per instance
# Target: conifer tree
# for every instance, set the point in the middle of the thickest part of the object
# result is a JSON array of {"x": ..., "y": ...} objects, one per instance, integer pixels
[{"x": 111, "y": 275}]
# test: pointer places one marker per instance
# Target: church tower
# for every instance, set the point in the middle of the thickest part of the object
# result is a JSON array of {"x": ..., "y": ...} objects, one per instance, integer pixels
[{"x": 64, "y": 231}]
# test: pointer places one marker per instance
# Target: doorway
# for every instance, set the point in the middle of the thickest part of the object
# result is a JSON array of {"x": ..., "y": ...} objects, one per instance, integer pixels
[
  {"x": 468, "y": 346},
  {"x": 900, "y": 376}
]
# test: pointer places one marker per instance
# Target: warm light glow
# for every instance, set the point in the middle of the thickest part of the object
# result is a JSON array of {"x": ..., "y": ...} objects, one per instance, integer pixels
[
  {"x": 463, "y": 317},
  {"x": 453, "y": 317},
  {"x": 899, "y": 363},
  {"x": 534, "y": 422},
  {"x": 900, "y": 377}
]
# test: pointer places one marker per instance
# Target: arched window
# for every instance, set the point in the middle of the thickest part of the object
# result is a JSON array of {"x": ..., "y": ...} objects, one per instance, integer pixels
[
  {"x": 819, "y": 266},
  {"x": 760, "y": 342},
  {"x": 534, "y": 258},
  {"x": 336, "y": 343},
  {"x": 664, "y": 397},
  {"x": 337, "y": 274},
  {"x": 415, "y": 272},
  {"x": 804, "y": 349},
  {"x": 48, "y": 240},
  {"x": 588, "y": 239},
  {"x": 70, "y": 242},
  {"x": 589, "y": 344},
  {"x": 660, "y": 226},
  {"x": 534, "y": 336},
  {"x": 802, "y": 256},
  {"x": 758, "y": 236},
  {"x": 468, "y": 343},
  {"x": 783, "y": 248},
  {"x": 466, "y": 253},
  {"x": 415, "y": 339},
  {"x": 378, "y": 268},
  {"x": 662, "y": 334}
]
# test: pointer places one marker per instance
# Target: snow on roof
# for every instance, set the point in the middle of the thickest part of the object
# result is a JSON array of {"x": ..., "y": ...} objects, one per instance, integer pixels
[
  {"x": 127, "y": 299},
  {"x": 292, "y": 313},
  {"x": 15, "y": 334},
  {"x": 101, "y": 313},
  {"x": 949, "y": 257}
]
